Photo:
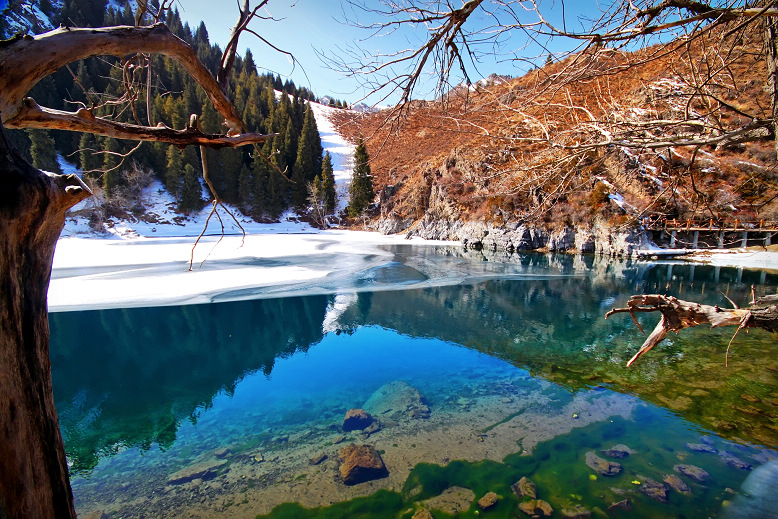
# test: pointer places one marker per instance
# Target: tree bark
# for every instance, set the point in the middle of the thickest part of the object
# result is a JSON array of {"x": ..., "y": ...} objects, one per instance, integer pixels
[
  {"x": 25, "y": 61},
  {"x": 34, "y": 477},
  {"x": 771, "y": 57}
]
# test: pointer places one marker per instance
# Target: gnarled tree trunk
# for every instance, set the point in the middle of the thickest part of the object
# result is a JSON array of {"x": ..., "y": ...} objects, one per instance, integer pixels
[{"x": 33, "y": 478}]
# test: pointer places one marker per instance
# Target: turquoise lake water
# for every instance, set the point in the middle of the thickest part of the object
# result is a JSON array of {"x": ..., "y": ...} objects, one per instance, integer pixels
[{"x": 235, "y": 409}]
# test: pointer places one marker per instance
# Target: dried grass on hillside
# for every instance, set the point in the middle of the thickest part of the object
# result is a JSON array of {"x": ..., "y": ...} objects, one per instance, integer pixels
[{"x": 600, "y": 134}]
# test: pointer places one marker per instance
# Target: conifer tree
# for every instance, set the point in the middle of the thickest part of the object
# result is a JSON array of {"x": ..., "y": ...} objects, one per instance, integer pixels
[
  {"x": 44, "y": 154},
  {"x": 328, "y": 185},
  {"x": 290, "y": 144},
  {"x": 361, "y": 190},
  {"x": 299, "y": 190},
  {"x": 174, "y": 170},
  {"x": 191, "y": 191},
  {"x": 308, "y": 162},
  {"x": 246, "y": 189},
  {"x": 259, "y": 190},
  {"x": 88, "y": 160}
]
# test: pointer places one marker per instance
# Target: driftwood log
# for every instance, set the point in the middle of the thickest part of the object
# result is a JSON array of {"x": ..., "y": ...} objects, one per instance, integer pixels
[{"x": 678, "y": 314}]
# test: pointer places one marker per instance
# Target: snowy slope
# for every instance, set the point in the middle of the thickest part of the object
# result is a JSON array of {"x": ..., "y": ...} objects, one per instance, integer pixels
[
  {"x": 161, "y": 219},
  {"x": 341, "y": 151}
]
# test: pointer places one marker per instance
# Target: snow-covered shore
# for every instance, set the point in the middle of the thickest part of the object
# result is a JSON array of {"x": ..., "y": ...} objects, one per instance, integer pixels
[
  {"x": 114, "y": 273},
  {"x": 751, "y": 258},
  {"x": 146, "y": 262}
]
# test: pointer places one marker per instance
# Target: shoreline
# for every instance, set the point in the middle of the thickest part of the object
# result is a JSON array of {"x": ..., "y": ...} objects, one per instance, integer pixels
[
  {"x": 758, "y": 258},
  {"x": 91, "y": 273}
]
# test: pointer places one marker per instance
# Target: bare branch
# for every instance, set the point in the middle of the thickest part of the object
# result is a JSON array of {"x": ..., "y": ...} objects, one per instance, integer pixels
[
  {"x": 25, "y": 61},
  {"x": 31, "y": 115}
]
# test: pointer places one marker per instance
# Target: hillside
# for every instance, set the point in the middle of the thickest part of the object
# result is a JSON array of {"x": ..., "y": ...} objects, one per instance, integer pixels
[{"x": 577, "y": 145}]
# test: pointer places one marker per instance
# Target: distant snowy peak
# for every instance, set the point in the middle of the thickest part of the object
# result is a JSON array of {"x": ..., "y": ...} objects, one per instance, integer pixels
[
  {"x": 493, "y": 79},
  {"x": 365, "y": 108}
]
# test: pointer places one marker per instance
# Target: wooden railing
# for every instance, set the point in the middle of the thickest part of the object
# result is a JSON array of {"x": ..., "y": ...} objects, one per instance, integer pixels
[{"x": 674, "y": 224}]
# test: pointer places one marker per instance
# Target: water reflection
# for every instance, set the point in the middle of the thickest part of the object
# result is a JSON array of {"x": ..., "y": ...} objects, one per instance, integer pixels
[
  {"x": 276, "y": 375},
  {"x": 130, "y": 377}
]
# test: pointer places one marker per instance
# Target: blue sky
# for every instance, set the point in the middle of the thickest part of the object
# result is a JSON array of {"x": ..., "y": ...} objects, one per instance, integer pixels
[{"x": 304, "y": 26}]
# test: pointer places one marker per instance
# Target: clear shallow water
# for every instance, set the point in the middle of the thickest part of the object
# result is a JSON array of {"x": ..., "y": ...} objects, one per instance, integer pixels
[{"x": 521, "y": 375}]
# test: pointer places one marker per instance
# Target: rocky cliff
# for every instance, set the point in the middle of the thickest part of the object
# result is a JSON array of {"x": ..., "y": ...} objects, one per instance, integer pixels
[{"x": 514, "y": 236}]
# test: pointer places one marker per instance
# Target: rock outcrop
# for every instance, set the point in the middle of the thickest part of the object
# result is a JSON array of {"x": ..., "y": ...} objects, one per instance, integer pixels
[
  {"x": 516, "y": 237},
  {"x": 525, "y": 488}
]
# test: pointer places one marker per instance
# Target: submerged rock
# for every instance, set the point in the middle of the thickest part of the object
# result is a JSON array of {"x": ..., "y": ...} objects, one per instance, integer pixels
[
  {"x": 423, "y": 514},
  {"x": 654, "y": 490},
  {"x": 316, "y": 460},
  {"x": 602, "y": 466},
  {"x": 397, "y": 400},
  {"x": 536, "y": 508},
  {"x": 361, "y": 463},
  {"x": 700, "y": 447},
  {"x": 733, "y": 461},
  {"x": 488, "y": 501},
  {"x": 222, "y": 452},
  {"x": 205, "y": 471},
  {"x": 372, "y": 428},
  {"x": 356, "y": 420},
  {"x": 692, "y": 471},
  {"x": 677, "y": 484},
  {"x": 525, "y": 488},
  {"x": 617, "y": 451},
  {"x": 620, "y": 505},
  {"x": 577, "y": 512},
  {"x": 452, "y": 501}
]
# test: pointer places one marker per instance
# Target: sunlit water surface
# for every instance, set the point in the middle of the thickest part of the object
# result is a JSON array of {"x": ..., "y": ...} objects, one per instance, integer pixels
[{"x": 236, "y": 409}]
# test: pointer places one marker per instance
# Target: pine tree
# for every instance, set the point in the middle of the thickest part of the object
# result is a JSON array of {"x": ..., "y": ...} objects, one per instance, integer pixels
[
  {"x": 44, "y": 155},
  {"x": 87, "y": 157},
  {"x": 259, "y": 190},
  {"x": 290, "y": 143},
  {"x": 299, "y": 190},
  {"x": 191, "y": 191},
  {"x": 308, "y": 162},
  {"x": 174, "y": 170},
  {"x": 361, "y": 190},
  {"x": 246, "y": 189},
  {"x": 328, "y": 185}
]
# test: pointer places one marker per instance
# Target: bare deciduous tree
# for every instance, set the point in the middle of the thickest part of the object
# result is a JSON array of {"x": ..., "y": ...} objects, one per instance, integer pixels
[{"x": 549, "y": 126}]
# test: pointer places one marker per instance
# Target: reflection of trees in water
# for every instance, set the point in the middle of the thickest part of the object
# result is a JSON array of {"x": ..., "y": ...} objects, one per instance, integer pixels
[
  {"x": 128, "y": 377},
  {"x": 556, "y": 329}
]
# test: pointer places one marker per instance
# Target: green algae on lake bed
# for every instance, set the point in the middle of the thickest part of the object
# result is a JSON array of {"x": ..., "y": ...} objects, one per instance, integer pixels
[{"x": 557, "y": 467}]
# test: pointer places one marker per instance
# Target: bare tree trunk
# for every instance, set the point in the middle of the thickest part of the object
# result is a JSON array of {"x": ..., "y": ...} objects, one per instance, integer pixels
[
  {"x": 771, "y": 57},
  {"x": 34, "y": 476}
]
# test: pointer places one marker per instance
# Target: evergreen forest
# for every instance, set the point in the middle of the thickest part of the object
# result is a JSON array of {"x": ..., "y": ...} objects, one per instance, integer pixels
[{"x": 261, "y": 185}]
